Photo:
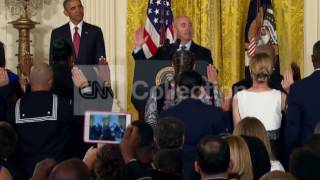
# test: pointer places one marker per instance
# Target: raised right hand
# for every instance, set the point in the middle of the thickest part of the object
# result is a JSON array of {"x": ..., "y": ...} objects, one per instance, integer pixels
[
  {"x": 138, "y": 38},
  {"x": 78, "y": 78},
  {"x": 4, "y": 79}
]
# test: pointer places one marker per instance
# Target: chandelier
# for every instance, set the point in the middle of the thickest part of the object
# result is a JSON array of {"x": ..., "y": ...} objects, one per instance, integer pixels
[{"x": 20, "y": 7}]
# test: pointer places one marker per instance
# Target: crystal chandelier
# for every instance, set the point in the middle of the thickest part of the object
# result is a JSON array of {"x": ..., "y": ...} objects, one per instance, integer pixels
[{"x": 17, "y": 7}]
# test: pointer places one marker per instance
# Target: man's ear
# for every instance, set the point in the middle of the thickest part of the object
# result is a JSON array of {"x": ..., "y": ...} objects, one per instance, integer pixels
[
  {"x": 197, "y": 166},
  {"x": 65, "y": 12},
  {"x": 50, "y": 82},
  {"x": 313, "y": 58}
]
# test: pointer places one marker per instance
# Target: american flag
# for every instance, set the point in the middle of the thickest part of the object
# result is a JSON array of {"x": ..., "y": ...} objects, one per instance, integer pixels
[
  {"x": 252, "y": 46},
  {"x": 255, "y": 20},
  {"x": 158, "y": 27}
]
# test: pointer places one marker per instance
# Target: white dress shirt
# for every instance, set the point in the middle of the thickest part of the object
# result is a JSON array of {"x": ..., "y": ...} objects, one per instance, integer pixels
[
  {"x": 72, "y": 30},
  {"x": 188, "y": 45}
]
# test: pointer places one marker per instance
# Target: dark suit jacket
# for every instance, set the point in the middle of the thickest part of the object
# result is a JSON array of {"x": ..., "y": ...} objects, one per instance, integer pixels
[
  {"x": 200, "y": 120},
  {"x": 165, "y": 53},
  {"x": 91, "y": 43},
  {"x": 303, "y": 111},
  {"x": 7, "y": 103}
]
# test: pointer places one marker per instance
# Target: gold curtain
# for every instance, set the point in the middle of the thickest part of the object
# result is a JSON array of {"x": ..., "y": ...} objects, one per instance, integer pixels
[
  {"x": 290, "y": 28},
  {"x": 219, "y": 25}
]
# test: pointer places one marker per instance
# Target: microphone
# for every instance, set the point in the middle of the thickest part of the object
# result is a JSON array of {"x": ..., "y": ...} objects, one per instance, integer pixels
[
  {"x": 166, "y": 42},
  {"x": 177, "y": 43},
  {"x": 174, "y": 47}
]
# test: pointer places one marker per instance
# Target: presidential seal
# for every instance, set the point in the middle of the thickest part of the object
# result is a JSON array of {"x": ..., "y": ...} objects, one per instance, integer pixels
[{"x": 164, "y": 74}]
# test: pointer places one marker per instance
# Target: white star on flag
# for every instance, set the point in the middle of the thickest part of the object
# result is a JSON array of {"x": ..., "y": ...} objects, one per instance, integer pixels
[
  {"x": 156, "y": 20},
  {"x": 156, "y": 11}
]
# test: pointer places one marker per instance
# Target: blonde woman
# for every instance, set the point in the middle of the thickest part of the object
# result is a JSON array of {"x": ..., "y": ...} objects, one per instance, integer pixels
[
  {"x": 241, "y": 160},
  {"x": 260, "y": 100},
  {"x": 251, "y": 126}
]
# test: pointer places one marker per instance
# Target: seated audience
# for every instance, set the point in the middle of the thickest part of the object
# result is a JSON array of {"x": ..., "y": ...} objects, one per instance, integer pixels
[
  {"x": 128, "y": 146},
  {"x": 251, "y": 126},
  {"x": 169, "y": 134},
  {"x": 304, "y": 164},
  {"x": 260, "y": 100},
  {"x": 43, "y": 123},
  {"x": 213, "y": 160},
  {"x": 200, "y": 119},
  {"x": 71, "y": 169},
  {"x": 278, "y": 175},
  {"x": 241, "y": 160},
  {"x": 259, "y": 156},
  {"x": 169, "y": 161},
  {"x": 8, "y": 139}
]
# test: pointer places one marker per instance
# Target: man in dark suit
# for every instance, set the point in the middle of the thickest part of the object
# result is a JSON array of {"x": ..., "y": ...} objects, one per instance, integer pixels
[
  {"x": 183, "y": 30},
  {"x": 199, "y": 119},
  {"x": 87, "y": 39},
  {"x": 303, "y": 106}
]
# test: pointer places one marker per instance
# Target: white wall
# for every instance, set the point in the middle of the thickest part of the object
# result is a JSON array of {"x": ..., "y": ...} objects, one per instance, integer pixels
[
  {"x": 110, "y": 15},
  {"x": 311, "y": 31}
]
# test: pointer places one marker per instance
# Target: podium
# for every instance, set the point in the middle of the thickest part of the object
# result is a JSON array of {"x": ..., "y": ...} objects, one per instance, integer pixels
[{"x": 149, "y": 73}]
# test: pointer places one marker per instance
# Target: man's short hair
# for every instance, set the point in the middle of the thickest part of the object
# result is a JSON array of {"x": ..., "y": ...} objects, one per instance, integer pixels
[
  {"x": 316, "y": 50},
  {"x": 8, "y": 140},
  {"x": 313, "y": 142},
  {"x": 169, "y": 133},
  {"x": 40, "y": 73},
  {"x": 145, "y": 133},
  {"x": 169, "y": 161},
  {"x": 213, "y": 155},
  {"x": 65, "y": 2},
  {"x": 72, "y": 169},
  {"x": 304, "y": 164},
  {"x": 189, "y": 83}
]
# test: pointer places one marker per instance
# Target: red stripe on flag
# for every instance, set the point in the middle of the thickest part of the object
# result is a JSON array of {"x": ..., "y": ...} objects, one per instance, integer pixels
[{"x": 151, "y": 45}]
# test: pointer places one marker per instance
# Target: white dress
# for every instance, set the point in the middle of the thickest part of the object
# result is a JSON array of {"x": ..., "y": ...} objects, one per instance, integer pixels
[{"x": 266, "y": 106}]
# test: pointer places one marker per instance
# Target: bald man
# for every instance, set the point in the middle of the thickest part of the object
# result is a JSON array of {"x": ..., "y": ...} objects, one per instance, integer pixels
[
  {"x": 183, "y": 30},
  {"x": 42, "y": 122}
]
